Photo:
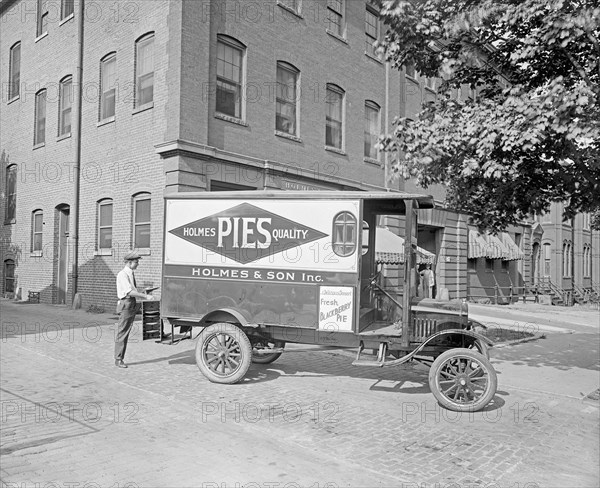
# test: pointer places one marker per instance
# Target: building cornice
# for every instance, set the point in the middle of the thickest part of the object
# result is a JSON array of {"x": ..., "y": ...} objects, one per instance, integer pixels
[{"x": 196, "y": 150}]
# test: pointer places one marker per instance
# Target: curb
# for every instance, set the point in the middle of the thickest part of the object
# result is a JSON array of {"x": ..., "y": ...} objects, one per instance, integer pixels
[{"x": 535, "y": 337}]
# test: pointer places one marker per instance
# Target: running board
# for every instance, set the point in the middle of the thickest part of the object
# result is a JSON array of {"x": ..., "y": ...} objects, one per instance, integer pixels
[
  {"x": 264, "y": 352},
  {"x": 377, "y": 363}
]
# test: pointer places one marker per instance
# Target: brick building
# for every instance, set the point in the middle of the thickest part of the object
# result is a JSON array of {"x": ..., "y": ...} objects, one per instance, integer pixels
[{"x": 107, "y": 106}]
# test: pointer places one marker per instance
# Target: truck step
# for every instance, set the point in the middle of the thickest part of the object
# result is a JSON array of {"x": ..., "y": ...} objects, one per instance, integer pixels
[
  {"x": 374, "y": 363},
  {"x": 367, "y": 362}
]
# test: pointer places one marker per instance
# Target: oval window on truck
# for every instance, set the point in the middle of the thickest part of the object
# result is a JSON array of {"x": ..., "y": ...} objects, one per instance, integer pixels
[{"x": 344, "y": 234}]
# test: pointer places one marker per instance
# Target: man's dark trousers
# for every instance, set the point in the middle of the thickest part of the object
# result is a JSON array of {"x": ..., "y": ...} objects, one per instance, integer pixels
[{"x": 124, "y": 327}]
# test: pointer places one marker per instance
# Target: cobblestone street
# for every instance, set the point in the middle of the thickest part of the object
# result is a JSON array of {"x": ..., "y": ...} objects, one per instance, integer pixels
[{"x": 309, "y": 419}]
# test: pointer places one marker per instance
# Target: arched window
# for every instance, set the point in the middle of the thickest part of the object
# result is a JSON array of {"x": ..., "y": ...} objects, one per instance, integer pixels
[
  {"x": 10, "y": 213},
  {"x": 108, "y": 86},
  {"x": 335, "y": 17},
  {"x": 105, "y": 224},
  {"x": 344, "y": 234},
  {"x": 144, "y": 70},
  {"x": 334, "y": 118},
  {"x": 567, "y": 259},
  {"x": 586, "y": 261},
  {"x": 286, "y": 113},
  {"x": 37, "y": 230},
  {"x": 65, "y": 102},
  {"x": 142, "y": 212},
  {"x": 14, "y": 71},
  {"x": 230, "y": 77},
  {"x": 39, "y": 134},
  {"x": 372, "y": 129}
]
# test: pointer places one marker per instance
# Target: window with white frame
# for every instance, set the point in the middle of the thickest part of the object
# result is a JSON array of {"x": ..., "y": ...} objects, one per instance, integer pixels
[
  {"x": 410, "y": 71},
  {"x": 547, "y": 259},
  {"x": 66, "y": 8},
  {"x": 344, "y": 234},
  {"x": 144, "y": 70},
  {"x": 14, "y": 71},
  {"x": 141, "y": 221},
  {"x": 586, "y": 221},
  {"x": 371, "y": 29},
  {"x": 37, "y": 224},
  {"x": 286, "y": 117},
  {"x": 108, "y": 86},
  {"x": 230, "y": 66},
  {"x": 105, "y": 224},
  {"x": 586, "y": 261},
  {"x": 567, "y": 259},
  {"x": 372, "y": 129},
  {"x": 334, "y": 119},
  {"x": 65, "y": 102},
  {"x": 335, "y": 16},
  {"x": 39, "y": 136},
  {"x": 42, "y": 17},
  {"x": 10, "y": 212}
]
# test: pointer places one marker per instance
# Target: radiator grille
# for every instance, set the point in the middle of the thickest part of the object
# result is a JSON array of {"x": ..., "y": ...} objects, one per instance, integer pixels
[{"x": 423, "y": 328}]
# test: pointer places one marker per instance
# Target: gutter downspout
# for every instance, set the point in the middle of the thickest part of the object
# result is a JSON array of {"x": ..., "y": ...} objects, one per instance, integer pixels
[
  {"x": 77, "y": 142},
  {"x": 385, "y": 122}
]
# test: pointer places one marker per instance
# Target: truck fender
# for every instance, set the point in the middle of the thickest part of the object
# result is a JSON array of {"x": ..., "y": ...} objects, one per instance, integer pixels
[
  {"x": 464, "y": 332},
  {"x": 229, "y": 315}
]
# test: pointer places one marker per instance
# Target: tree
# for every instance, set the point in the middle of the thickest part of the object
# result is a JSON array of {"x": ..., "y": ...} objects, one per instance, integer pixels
[{"x": 531, "y": 135}]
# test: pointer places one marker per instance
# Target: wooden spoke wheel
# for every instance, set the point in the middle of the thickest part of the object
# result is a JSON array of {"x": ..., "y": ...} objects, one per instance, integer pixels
[
  {"x": 463, "y": 380},
  {"x": 223, "y": 353},
  {"x": 483, "y": 349},
  {"x": 260, "y": 354}
]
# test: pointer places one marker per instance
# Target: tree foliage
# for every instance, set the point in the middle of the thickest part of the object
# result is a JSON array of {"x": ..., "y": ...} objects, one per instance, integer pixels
[{"x": 531, "y": 135}]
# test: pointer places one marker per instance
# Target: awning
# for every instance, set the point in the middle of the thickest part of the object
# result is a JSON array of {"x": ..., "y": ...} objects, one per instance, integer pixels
[
  {"x": 514, "y": 252},
  {"x": 492, "y": 247},
  {"x": 497, "y": 247},
  {"x": 477, "y": 245},
  {"x": 389, "y": 249}
]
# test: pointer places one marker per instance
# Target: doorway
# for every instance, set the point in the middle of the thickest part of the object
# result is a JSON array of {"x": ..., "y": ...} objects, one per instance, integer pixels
[
  {"x": 62, "y": 245},
  {"x": 535, "y": 264}
]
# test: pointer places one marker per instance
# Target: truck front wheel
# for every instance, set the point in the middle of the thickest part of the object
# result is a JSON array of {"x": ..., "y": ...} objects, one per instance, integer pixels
[{"x": 223, "y": 353}]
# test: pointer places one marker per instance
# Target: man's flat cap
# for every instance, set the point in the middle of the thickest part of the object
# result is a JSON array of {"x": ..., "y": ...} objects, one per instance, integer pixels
[{"x": 131, "y": 256}]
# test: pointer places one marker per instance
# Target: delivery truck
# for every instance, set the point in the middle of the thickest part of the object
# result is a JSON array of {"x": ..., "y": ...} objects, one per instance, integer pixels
[{"x": 256, "y": 270}]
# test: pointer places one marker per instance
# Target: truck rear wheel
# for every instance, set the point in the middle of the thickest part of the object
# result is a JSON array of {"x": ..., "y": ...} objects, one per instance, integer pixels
[
  {"x": 260, "y": 354},
  {"x": 223, "y": 353}
]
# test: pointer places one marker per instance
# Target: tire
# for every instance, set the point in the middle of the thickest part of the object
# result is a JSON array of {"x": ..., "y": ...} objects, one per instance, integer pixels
[
  {"x": 480, "y": 347},
  {"x": 483, "y": 349},
  {"x": 266, "y": 358},
  {"x": 463, "y": 380},
  {"x": 223, "y": 353}
]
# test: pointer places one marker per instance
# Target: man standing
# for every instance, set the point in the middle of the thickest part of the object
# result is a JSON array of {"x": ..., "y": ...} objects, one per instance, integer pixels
[
  {"x": 127, "y": 306},
  {"x": 428, "y": 279}
]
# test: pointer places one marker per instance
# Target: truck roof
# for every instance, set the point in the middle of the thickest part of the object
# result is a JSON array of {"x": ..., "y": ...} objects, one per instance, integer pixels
[{"x": 425, "y": 201}]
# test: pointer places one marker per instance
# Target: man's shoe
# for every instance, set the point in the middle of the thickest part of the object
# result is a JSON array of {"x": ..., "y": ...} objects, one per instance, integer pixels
[{"x": 120, "y": 364}]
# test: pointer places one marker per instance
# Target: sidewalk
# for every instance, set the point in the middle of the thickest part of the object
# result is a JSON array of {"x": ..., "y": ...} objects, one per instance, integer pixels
[{"x": 537, "y": 318}]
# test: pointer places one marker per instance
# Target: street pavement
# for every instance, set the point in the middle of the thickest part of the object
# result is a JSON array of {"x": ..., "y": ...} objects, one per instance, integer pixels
[{"x": 70, "y": 418}]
